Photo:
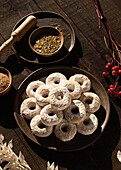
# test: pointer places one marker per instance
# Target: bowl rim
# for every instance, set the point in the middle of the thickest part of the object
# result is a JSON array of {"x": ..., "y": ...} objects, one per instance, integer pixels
[
  {"x": 50, "y": 54},
  {"x": 39, "y": 15},
  {"x": 41, "y": 72},
  {"x": 7, "y": 72}
]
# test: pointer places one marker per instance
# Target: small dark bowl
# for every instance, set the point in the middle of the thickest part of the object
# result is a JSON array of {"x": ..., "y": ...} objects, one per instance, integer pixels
[
  {"x": 45, "y": 30},
  {"x": 5, "y": 71}
]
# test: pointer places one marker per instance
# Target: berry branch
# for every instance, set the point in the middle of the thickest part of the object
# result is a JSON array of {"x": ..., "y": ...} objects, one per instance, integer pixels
[{"x": 113, "y": 67}]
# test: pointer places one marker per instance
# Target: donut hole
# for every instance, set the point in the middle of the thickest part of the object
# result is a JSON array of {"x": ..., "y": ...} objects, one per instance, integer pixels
[
  {"x": 75, "y": 110},
  {"x": 71, "y": 88},
  {"x": 64, "y": 128},
  {"x": 59, "y": 95},
  {"x": 45, "y": 93},
  {"x": 32, "y": 106},
  {"x": 80, "y": 82},
  {"x": 51, "y": 114},
  {"x": 86, "y": 122},
  {"x": 42, "y": 126},
  {"x": 89, "y": 100},
  {"x": 34, "y": 90},
  {"x": 57, "y": 81},
  {"x": 45, "y": 96}
]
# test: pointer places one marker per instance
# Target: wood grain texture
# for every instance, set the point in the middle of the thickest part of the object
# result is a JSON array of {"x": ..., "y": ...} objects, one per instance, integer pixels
[
  {"x": 93, "y": 52},
  {"x": 11, "y": 12},
  {"x": 98, "y": 67}
]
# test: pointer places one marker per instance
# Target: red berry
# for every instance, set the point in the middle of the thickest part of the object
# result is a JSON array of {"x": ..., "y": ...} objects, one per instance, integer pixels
[
  {"x": 112, "y": 89},
  {"x": 114, "y": 73},
  {"x": 113, "y": 68},
  {"x": 119, "y": 93},
  {"x": 111, "y": 92},
  {"x": 104, "y": 74},
  {"x": 116, "y": 68},
  {"x": 111, "y": 86},
  {"x": 119, "y": 71},
  {"x": 109, "y": 65}
]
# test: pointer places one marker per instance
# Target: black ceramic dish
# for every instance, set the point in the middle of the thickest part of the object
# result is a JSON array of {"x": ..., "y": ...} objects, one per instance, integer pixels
[{"x": 51, "y": 142}]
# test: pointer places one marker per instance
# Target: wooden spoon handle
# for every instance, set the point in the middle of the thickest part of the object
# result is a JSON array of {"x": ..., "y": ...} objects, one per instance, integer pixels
[
  {"x": 17, "y": 35},
  {"x": 6, "y": 45}
]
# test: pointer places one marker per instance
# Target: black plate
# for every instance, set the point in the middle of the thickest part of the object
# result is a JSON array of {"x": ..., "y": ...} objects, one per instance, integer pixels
[
  {"x": 51, "y": 142},
  {"x": 46, "y": 19}
]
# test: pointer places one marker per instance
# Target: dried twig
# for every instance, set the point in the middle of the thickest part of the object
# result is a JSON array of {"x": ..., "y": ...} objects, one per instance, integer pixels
[{"x": 114, "y": 67}]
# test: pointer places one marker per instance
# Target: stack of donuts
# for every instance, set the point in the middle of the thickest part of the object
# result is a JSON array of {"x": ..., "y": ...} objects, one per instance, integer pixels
[{"x": 65, "y": 106}]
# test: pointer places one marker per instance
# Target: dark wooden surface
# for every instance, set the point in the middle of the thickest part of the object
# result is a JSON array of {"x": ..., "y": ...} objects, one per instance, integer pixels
[{"x": 89, "y": 54}]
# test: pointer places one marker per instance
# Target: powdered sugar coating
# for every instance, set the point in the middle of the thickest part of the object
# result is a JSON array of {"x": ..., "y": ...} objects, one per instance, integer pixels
[
  {"x": 91, "y": 101},
  {"x": 65, "y": 131},
  {"x": 51, "y": 116},
  {"x": 74, "y": 88},
  {"x": 42, "y": 95},
  {"x": 32, "y": 87},
  {"x": 83, "y": 80},
  {"x": 88, "y": 125},
  {"x": 36, "y": 128},
  {"x": 29, "y": 108},
  {"x": 55, "y": 79},
  {"x": 60, "y": 98},
  {"x": 76, "y": 112}
]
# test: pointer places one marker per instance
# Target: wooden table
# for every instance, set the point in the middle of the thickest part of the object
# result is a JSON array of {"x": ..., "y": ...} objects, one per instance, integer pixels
[{"x": 91, "y": 51}]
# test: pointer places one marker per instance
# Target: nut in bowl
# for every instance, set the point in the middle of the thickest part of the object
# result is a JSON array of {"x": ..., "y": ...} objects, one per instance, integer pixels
[
  {"x": 46, "y": 41},
  {"x": 5, "y": 81}
]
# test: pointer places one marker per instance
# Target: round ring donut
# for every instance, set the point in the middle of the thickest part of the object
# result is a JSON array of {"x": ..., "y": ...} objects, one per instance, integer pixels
[
  {"x": 74, "y": 88},
  {"x": 50, "y": 116},
  {"x": 83, "y": 80},
  {"x": 29, "y": 108},
  {"x": 88, "y": 125},
  {"x": 55, "y": 79},
  {"x": 91, "y": 101},
  {"x": 42, "y": 95},
  {"x": 65, "y": 131},
  {"x": 60, "y": 98},
  {"x": 38, "y": 128},
  {"x": 32, "y": 87},
  {"x": 76, "y": 112}
]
